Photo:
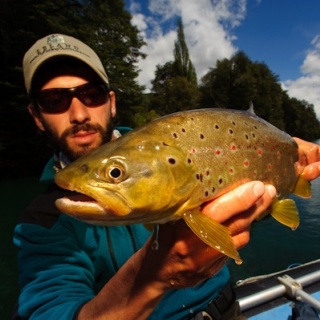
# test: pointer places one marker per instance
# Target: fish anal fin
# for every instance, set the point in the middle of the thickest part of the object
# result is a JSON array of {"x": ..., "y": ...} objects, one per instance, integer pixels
[
  {"x": 285, "y": 211},
  {"x": 302, "y": 187},
  {"x": 212, "y": 233}
]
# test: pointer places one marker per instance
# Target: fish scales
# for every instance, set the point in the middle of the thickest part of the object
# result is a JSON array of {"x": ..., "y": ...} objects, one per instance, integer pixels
[
  {"x": 229, "y": 148},
  {"x": 165, "y": 171}
]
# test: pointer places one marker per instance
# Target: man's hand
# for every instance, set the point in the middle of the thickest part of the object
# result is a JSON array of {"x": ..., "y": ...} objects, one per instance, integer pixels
[
  {"x": 309, "y": 159},
  {"x": 184, "y": 260}
]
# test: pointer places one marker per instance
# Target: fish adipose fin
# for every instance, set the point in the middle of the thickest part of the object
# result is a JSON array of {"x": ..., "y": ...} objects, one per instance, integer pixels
[
  {"x": 302, "y": 188},
  {"x": 212, "y": 233},
  {"x": 286, "y": 212}
]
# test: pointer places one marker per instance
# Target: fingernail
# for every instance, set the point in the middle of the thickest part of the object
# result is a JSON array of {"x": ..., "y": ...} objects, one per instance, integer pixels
[
  {"x": 258, "y": 189},
  {"x": 271, "y": 190}
]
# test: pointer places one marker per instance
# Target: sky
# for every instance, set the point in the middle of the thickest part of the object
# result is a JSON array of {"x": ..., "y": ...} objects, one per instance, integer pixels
[{"x": 283, "y": 34}]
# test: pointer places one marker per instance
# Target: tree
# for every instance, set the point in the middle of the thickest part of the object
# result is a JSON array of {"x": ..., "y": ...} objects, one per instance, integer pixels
[
  {"x": 237, "y": 82},
  {"x": 300, "y": 118},
  {"x": 182, "y": 64},
  {"x": 104, "y": 25},
  {"x": 175, "y": 85}
]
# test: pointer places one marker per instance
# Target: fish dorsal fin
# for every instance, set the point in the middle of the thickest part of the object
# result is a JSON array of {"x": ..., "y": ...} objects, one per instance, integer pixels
[
  {"x": 285, "y": 211},
  {"x": 251, "y": 108},
  {"x": 212, "y": 233},
  {"x": 302, "y": 187}
]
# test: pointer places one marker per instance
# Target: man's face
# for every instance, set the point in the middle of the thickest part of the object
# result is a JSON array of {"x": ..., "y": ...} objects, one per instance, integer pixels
[{"x": 80, "y": 129}]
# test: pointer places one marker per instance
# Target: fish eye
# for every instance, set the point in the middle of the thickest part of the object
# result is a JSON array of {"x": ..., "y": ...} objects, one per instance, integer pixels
[{"x": 116, "y": 173}]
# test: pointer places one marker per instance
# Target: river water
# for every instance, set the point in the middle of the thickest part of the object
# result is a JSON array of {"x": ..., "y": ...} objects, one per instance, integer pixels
[{"x": 272, "y": 246}]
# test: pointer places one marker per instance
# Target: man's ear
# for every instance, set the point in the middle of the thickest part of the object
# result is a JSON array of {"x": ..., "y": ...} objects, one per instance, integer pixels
[
  {"x": 113, "y": 108},
  {"x": 36, "y": 117}
]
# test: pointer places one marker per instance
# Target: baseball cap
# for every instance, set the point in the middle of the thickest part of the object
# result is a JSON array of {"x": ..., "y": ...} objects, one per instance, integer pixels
[{"x": 55, "y": 45}]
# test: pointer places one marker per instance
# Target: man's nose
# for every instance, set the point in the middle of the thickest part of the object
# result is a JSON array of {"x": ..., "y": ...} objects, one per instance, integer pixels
[{"x": 78, "y": 112}]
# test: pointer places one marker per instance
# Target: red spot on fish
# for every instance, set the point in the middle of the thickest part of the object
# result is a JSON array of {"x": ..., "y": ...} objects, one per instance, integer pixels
[
  {"x": 218, "y": 152},
  {"x": 193, "y": 151},
  {"x": 278, "y": 154},
  {"x": 246, "y": 163},
  {"x": 254, "y": 174},
  {"x": 259, "y": 152},
  {"x": 231, "y": 170},
  {"x": 269, "y": 166},
  {"x": 233, "y": 147}
]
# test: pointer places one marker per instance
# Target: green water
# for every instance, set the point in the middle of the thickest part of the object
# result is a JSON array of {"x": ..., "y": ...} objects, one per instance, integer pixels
[{"x": 272, "y": 245}]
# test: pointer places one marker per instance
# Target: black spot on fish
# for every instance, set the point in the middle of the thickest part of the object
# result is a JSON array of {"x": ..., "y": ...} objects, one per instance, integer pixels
[
  {"x": 217, "y": 127},
  {"x": 189, "y": 160},
  {"x": 206, "y": 193},
  {"x": 172, "y": 160},
  {"x": 175, "y": 135},
  {"x": 233, "y": 123},
  {"x": 246, "y": 136},
  {"x": 183, "y": 130},
  {"x": 201, "y": 136},
  {"x": 220, "y": 181},
  {"x": 84, "y": 168},
  {"x": 165, "y": 144},
  {"x": 230, "y": 131}
]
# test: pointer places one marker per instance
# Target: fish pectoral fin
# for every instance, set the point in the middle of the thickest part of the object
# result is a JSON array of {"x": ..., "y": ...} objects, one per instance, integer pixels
[
  {"x": 150, "y": 226},
  {"x": 302, "y": 187},
  {"x": 285, "y": 211},
  {"x": 212, "y": 233}
]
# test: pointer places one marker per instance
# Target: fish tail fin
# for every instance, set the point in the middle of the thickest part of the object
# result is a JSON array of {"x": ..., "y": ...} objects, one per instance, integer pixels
[
  {"x": 302, "y": 187},
  {"x": 285, "y": 211},
  {"x": 212, "y": 233}
]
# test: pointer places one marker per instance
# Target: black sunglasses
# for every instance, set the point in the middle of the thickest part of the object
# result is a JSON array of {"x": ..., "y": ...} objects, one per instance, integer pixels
[{"x": 58, "y": 100}]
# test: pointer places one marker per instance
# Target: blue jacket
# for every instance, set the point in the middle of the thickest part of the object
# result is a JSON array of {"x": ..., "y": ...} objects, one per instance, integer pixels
[{"x": 64, "y": 262}]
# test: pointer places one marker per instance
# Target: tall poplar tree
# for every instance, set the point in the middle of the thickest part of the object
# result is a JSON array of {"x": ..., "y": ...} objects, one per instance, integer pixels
[
  {"x": 175, "y": 85},
  {"x": 182, "y": 64}
]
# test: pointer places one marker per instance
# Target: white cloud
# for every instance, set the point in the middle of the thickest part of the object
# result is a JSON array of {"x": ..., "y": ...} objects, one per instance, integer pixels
[
  {"x": 307, "y": 87},
  {"x": 208, "y": 26}
]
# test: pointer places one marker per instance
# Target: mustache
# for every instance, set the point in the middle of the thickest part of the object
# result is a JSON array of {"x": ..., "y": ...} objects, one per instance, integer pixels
[{"x": 81, "y": 127}]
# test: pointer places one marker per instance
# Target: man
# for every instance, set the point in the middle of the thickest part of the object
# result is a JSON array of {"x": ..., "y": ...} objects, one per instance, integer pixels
[{"x": 71, "y": 270}]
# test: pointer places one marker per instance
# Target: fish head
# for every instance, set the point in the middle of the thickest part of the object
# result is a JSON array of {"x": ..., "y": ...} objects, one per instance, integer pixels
[{"x": 128, "y": 181}]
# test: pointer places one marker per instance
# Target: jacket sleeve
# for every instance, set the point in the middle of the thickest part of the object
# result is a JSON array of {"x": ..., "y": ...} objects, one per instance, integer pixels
[
  {"x": 57, "y": 276},
  {"x": 56, "y": 260}
]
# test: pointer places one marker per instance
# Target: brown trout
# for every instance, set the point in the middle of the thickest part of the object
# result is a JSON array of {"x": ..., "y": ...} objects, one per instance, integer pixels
[{"x": 165, "y": 171}]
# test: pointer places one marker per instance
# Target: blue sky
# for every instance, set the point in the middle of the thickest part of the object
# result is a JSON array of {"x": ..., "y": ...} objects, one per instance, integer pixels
[{"x": 284, "y": 34}]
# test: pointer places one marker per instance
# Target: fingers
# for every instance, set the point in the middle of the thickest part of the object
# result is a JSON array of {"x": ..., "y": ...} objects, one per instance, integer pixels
[
  {"x": 239, "y": 200},
  {"x": 242, "y": 221},
  {"x": 308, "y": 152},
  {"x": 311, "y": 172}
]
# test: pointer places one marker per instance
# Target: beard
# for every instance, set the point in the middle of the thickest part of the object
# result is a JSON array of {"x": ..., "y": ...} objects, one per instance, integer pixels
[{"x": 60, "y": 144}]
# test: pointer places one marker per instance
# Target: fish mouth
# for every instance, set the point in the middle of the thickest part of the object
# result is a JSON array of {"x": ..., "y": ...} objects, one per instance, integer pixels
[
  {"x": 79, "y": 203},
  {"x": 86, "y": 208}
]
